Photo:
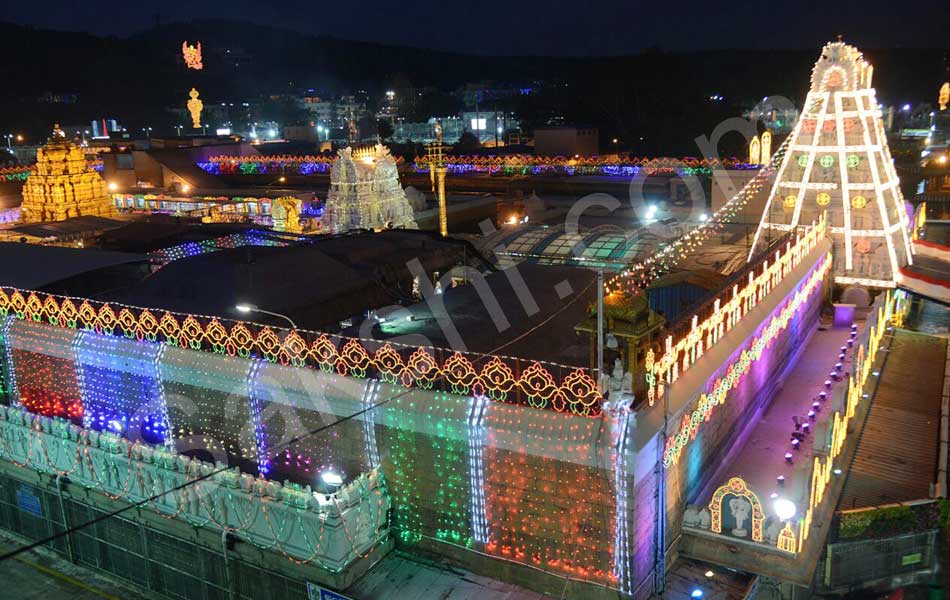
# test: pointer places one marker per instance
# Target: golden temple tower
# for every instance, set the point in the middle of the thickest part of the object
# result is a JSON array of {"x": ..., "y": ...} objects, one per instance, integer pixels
[{"x": 62, "y": 185}]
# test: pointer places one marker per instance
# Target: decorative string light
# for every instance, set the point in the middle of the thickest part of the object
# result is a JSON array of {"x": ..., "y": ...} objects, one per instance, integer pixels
[
  {"x": 296, "y": 520},
  {"x": 164, "y": 256},
  {"x": 638, "y": 276},
  {"x": 890, "y": 313},
  {"x": 527, "y": 164},
  {"x": 727, "y": 310},
  {"x": 692, "y": 422},
  {"x": 502, "y": 379}
]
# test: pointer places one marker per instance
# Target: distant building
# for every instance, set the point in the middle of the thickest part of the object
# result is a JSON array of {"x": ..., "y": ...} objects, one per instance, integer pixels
[
  {"x": 476, "y": 95},
  {"x": 323, "y": 110},
  {"x": 566, "y": 141},
  {"x": 169, "y": 162},
  {"x": 104, "y": 128},
  {"x": 333, "y": 115},
  {"x": 300, "y": 133},
  {"x": 59, "y": 98},
  {"x": 452, "y": 128},
  {"x": 489, "y": 125}
]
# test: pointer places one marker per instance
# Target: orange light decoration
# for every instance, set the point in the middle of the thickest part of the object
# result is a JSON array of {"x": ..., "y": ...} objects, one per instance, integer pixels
[
  {"x": 524, "y": 526},
  {"x": 195, "y": 106},
  {"x": 503, "y": 379},
  {"x": 192, "y": 55}
]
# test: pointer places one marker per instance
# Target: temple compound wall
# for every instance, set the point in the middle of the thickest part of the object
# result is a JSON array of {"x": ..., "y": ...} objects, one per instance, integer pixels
[{"x": 517, "y": 492}]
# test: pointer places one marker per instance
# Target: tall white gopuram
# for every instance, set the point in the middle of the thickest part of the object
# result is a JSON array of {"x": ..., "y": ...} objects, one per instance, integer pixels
[
  {"x": 365, "y": 192},
  {"x": 838, "y": 161}
]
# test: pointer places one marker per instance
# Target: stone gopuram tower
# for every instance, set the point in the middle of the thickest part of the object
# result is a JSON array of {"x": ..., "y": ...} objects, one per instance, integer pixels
[
  {"x": 62, "y": 185},
  {"x": 365, "y": 193},
  {"x": 838, "y": 162}
]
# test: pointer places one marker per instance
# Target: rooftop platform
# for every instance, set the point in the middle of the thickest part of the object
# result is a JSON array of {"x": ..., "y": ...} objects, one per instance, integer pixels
[
  {"x": 760, "y": 460},
  {"x": 401, "y": 575},
  {"x": 317, "y": 284},
  {"x": 789, "y": 490}
]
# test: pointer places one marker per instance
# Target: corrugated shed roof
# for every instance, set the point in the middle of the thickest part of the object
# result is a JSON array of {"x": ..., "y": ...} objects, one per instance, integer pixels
[{"x": 896, "y": 460}]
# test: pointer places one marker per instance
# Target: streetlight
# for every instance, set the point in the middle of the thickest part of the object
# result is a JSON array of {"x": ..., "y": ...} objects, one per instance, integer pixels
[
  {"x": 249, "y": 308},
  {"x": 280, "y": 179}
]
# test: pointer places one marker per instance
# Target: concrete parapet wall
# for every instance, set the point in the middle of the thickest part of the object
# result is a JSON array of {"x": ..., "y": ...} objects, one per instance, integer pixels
[{"x": 331, "y": 531}]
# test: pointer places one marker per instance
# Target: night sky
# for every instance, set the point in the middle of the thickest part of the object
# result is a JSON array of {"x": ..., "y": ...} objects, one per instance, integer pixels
[{"x": 540, "y": 27}]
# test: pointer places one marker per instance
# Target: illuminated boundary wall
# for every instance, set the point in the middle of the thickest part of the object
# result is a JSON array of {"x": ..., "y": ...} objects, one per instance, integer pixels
[
  {"x": 550, "y": 499},
  {"x": 508, "y": 165},
  {"x": 711, "y": 403},
  {"x": 478, "y": 480}
]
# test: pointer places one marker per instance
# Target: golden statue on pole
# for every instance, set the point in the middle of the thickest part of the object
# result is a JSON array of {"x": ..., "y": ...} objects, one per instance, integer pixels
[
  {"x": 437, "y": 170},
  {"x": 194, "y": 107},
  {"x": 943, "y": 97}
]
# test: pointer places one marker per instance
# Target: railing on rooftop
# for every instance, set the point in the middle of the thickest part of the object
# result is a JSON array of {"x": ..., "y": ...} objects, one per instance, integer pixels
[{"x": 705, "y": 308}]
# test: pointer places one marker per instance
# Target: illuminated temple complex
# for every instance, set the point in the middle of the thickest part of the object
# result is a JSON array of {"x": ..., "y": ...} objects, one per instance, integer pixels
[
  {"x": 62, "y": 185},
  {"x": 395, "y": 388},
  {"x": 365, "y": 192},
  {"x": 838, "y": 162}
]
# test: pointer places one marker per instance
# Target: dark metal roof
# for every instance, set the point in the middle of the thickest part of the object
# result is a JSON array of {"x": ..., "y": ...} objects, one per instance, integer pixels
[
  {"x": 317, "y": 283},
  {"x": 69, "y": 227},
  {"x": 30, "y": 266},
  {"x": 896, "y": 460},
  {"x": 534, "y": 318}
]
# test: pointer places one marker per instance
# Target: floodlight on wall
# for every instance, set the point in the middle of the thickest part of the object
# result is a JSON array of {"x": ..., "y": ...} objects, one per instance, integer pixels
[
  {"x": 784, "y": 508},
  {"x": 332, "y": 480}
]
